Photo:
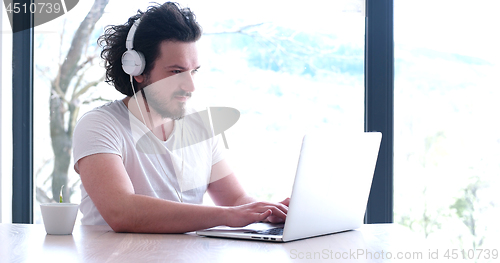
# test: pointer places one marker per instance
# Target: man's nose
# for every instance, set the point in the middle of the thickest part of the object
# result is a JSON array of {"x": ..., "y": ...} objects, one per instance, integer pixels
[{"x": 187, "y": 82}]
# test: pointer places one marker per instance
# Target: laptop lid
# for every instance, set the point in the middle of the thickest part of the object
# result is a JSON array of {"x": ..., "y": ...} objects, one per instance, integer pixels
[
  {"x": 332, "y": 183},
  {"x": 330, "y": 191}
]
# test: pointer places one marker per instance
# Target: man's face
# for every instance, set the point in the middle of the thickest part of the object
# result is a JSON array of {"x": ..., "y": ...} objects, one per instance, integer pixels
[{"x": 170, "y": 83}]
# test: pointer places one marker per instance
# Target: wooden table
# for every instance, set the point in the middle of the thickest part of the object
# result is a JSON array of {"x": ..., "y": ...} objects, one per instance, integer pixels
[{"x": 370, "y": 243}]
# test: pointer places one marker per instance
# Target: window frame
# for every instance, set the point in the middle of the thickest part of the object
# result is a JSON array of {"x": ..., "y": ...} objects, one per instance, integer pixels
[
  {"x": 22, "y": 116},
  {"x": 379, "y": 105}
]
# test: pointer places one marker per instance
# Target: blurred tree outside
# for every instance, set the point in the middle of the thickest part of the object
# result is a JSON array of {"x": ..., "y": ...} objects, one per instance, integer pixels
[
  {"x": 470, "y": 209},
  {"x": 67, "y": 88}
]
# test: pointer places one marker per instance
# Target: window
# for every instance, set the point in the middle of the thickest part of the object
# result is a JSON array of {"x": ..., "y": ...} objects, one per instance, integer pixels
[
  {"x": 446, "y": 135},
  {"x": 286, "y": 73}
]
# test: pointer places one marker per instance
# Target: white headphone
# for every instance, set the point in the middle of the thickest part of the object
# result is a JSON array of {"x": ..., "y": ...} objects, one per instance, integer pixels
[{"x": 133, "y": 62}]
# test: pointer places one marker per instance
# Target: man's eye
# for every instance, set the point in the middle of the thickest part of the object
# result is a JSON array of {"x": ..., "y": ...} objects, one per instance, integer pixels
[
  {"x": 176, "y": 71},
  {"x": 194, "y": 71}
]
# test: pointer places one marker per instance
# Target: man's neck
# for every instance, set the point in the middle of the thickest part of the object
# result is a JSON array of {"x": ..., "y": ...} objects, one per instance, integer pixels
[{"x": 161, "y": 127}]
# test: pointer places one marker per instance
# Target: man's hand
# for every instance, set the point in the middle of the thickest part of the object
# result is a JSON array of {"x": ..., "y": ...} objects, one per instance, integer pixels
[
  {"x": 239, "y": 216},
  {"x": 275, "y": 219}
]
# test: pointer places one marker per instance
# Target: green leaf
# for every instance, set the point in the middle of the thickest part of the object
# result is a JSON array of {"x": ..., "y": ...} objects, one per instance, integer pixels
[{"x": 60, "y": 195}]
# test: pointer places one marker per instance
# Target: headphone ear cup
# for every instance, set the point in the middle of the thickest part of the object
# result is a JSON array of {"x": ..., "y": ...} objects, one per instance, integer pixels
[{"x": 133, "y": 62}]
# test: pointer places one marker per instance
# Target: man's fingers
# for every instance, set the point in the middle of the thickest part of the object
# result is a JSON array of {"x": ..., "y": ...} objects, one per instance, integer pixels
[
  {"x": 260, "y": 211},
  {"x": 278, "y": 213},
  {"x": 265, "y": 215},
  {"x": 279, "y": 206},
  {"x": 286, "y": 202},
  {"x": 275, "y": 219},
  {"x": 283, "y": 207}
]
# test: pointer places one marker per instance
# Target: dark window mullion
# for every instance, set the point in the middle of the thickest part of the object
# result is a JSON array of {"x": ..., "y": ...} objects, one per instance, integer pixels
[
  {"x": 379, "y": 104},
  {"x": 22, "y": 116}
]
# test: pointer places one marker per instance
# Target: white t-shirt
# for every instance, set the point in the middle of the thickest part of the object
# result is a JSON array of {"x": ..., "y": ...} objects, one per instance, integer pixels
[{"x": 179, "y": 166}]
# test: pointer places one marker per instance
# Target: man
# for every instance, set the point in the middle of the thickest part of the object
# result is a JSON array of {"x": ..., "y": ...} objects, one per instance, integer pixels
[{"x": 146, "y": 161}]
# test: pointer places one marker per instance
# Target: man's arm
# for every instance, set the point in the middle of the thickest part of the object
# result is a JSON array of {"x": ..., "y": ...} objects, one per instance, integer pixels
[
  {"x": 108, "y": 185},
  {"x": 224, "y": 187}
]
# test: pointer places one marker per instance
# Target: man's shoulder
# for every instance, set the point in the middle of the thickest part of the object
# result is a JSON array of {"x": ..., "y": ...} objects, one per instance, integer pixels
[
  {"x": 110, "y": 109},
  {"x": 112, "y": 106},
  {"x": 108, "y": 114}
]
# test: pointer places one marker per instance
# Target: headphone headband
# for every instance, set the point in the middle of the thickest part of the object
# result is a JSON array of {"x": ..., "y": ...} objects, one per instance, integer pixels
[
  {"x": 133, "y": 62},
  {"x": 131, "y": 33}
]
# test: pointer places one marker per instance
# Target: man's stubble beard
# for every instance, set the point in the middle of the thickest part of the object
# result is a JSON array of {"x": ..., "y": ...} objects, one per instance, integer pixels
[{"x": 161, "y": 106}]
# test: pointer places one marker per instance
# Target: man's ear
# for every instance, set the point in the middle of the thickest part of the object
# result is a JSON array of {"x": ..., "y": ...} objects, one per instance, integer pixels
[{"x": 139, "y": 78}]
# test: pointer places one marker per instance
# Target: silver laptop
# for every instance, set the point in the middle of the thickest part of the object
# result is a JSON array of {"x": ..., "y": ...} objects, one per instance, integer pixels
[{"x": 330, "y": 191}]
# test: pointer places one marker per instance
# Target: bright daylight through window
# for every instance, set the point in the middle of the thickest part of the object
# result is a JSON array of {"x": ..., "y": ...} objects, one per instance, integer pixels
[
  {"x": 285, "y": 70},
  {"x": 446, "y": 135}
]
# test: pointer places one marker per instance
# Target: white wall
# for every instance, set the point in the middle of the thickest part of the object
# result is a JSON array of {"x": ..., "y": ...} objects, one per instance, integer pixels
[{"x": 5, "y": 118}]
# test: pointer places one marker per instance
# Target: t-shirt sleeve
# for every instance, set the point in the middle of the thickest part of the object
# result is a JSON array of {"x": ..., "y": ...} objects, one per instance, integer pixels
[
  {"x": 217, "y": 149},
  {"x": 96, "y": 132}
]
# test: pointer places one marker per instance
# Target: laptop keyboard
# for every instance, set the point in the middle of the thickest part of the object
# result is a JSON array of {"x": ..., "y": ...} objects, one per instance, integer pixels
[{"x": 277, "y": 231}]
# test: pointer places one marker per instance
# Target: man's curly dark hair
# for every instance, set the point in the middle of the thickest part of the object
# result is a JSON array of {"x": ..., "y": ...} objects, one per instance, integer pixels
[{"x": 159, "y": 23}]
